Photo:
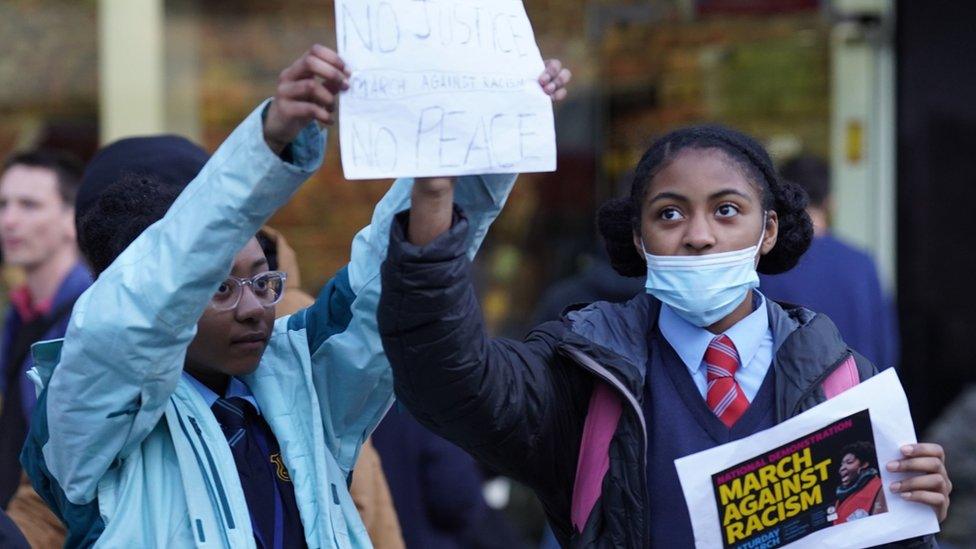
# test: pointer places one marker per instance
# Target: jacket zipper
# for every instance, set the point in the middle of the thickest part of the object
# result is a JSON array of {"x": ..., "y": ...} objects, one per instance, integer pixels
[
  {"x": 203, "y": 471},
  {"x": 592, "y": 366},
  {"x": 819, "y": 381},
  {"x": 221, "y": 494}
]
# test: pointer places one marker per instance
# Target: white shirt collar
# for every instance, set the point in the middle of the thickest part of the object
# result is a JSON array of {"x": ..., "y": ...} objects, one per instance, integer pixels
[
  {"x": 691, "y": 342},
  {"x": 236, "y": 388}
]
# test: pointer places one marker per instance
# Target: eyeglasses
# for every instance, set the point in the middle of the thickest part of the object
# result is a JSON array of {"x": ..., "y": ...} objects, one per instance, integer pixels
[{"x": 267, "y": 287}]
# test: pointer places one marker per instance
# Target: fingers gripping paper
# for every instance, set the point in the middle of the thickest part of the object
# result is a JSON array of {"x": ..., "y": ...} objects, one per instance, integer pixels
[
  {"x": 816, "y": 480},
  {"x": 441, "y": 87}
]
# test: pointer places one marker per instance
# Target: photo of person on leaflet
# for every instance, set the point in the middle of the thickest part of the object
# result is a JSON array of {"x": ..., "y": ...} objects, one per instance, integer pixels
[{"x": 859, "y": 494}]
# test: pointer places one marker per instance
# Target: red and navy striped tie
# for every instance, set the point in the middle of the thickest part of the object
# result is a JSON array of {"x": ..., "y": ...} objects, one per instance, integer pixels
[{"x": 724, "y": 397}]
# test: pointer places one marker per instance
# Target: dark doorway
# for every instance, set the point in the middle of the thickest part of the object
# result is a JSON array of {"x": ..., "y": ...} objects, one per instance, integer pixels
[{"x": 936, "y": 92}]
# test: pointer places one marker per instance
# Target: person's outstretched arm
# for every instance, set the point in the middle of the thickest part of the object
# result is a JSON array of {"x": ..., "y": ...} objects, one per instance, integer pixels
[
  {"x": 127, "y": 338},
  {"x": 349, "y": 369},
  {"x": 506, "y": 402}
]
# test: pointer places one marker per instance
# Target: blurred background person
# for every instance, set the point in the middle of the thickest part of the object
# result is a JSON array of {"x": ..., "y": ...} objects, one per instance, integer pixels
[
  {"x": 954, "y": 430},
  {"x": 10, "y": 536},
  {"x": 437, "y": 489},
  {"x": 595, "y": 281},
  {"x": 37, "y": 235},
  {"x": 835, "y": 278}
]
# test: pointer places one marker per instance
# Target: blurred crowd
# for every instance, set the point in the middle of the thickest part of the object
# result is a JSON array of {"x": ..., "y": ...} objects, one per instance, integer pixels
[{"x": 412, "y": 487}]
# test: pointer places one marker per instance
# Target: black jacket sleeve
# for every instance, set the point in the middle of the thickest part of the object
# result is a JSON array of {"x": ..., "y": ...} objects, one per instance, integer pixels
[{"x": 506, "y": 402}]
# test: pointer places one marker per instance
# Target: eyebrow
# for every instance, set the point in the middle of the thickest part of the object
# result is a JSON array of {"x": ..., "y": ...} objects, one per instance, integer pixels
[
  {"x": 725, "y": 192},
  {"x": 666, "y": 195},
  {"x": 681, "y": 198},
  {"x": 259, "y": 262}
]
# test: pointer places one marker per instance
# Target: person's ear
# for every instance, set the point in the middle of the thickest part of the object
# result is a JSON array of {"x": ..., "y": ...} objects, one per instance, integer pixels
[
  {"x": 770, "y": 233},
  {"x": 638, "y": 244}
]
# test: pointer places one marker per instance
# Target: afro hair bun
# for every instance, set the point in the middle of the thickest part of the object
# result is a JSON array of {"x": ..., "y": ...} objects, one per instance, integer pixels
[
  {"x": 615, "y": 220},
  {"x": 795, "y": 229}
]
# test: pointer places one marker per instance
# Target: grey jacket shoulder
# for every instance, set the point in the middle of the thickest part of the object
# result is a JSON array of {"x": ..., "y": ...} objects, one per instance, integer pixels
[
  {"x": 807, "y": 348},
  {"x": 622, "y": 327}
]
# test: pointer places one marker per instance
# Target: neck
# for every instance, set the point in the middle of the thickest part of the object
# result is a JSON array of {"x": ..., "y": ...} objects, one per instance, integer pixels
[
  {"x": 743, "y": 310},
  {"x": 819, "y": 218},
  {"x": 215, "y": 381},
  {"x": 44, "y": 279}
]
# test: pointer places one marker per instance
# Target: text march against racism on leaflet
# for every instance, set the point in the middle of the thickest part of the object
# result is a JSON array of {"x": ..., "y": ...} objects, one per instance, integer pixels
[
  {"x": 815, "y": 480},
  {"x": 441, "y": 87},
  {"x": 790, "y": 492}
]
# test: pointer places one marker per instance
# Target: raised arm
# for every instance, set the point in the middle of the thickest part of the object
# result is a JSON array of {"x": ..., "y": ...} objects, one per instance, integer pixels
[
  {"x": 127, "y": 338},
  {"x": 350, "y": 369},
  {"x": 506, "y": 402}
]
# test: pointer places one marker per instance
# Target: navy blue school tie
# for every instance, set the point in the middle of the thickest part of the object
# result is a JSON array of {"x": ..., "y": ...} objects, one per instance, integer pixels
[{"x": 269, "y": 494}]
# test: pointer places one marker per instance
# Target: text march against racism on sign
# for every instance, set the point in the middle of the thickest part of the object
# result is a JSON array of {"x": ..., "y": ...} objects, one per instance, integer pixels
[
  {"x": 441, "y": 87},
  {"x": 816, "y": 480}
]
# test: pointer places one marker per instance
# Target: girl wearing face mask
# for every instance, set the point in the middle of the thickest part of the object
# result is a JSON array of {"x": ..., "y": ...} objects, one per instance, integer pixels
[{"x": 591, "y": 411}]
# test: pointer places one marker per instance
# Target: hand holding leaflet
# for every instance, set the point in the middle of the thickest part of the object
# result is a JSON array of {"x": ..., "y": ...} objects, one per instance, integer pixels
[{"x": 815, "y": 480}]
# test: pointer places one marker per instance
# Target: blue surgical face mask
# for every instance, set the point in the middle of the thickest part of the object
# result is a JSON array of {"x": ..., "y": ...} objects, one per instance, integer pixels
[{"x": 703, "y": 289}]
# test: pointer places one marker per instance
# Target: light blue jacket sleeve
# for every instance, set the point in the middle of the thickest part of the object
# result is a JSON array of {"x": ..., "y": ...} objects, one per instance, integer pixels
[
  {"x": 127, "y": 337},
  {"x": 352, "y": 377}
]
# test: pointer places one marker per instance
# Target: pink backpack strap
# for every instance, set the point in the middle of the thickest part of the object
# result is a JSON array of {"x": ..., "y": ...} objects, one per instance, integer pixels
[
  {"x": 602, "y": 418},
  {"x": 842, "y": 379}
]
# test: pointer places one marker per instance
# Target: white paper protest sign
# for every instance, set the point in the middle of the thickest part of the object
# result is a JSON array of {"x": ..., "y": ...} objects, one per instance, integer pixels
[
  {"x": 815, "y": 480},
  {"x": 441, "y": 87}
]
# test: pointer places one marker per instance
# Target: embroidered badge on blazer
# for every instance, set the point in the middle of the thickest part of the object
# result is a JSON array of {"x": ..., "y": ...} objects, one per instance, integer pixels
[{"x": 280, "y": 468}]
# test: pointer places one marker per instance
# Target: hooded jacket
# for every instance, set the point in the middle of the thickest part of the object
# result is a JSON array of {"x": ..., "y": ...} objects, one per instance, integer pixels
[
  {"x": 561, "y": 411},
  {"x": 369, "y": 488},
  {"x": 128, "y": 453}
]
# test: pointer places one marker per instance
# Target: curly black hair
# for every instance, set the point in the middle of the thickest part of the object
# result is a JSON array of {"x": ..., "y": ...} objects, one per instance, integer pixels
[
  {"x": 119, "y": 215},
  {"x": 619, "y": 218},
  {"x": 863, "y": 451}
]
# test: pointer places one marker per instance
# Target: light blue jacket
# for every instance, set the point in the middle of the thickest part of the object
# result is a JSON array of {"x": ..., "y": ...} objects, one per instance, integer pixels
[{"x": 129, "y": 454}]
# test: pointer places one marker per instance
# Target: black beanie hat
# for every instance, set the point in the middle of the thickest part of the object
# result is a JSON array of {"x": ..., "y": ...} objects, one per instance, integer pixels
[{"x": 170, "y": 159}]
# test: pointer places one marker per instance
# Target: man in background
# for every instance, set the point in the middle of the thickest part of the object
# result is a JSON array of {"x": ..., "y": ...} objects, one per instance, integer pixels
[
  {"x": 835, "y": 278},
  {"x": 37, "y": 236}
]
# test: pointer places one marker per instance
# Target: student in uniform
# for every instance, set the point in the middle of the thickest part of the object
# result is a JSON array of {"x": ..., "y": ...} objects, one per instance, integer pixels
[
  {"x": 176, "y": 412},
  {"x": 592, "y": 410}
]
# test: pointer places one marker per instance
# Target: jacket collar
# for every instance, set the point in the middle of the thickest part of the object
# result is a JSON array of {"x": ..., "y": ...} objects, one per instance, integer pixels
[
  {"x": 806, "y": 347},
  {"x": 46, "y": 355},
  {"x": 805, "y": 344}
]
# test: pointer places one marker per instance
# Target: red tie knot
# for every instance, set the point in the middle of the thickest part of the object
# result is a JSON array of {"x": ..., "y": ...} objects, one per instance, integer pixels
[{"x": 721, "y": 358}]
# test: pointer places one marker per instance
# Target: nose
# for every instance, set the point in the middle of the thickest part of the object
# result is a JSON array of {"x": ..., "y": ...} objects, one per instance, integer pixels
[
  {"x": 699, "y": 236},
  {"x": 249, "y": 309}
]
